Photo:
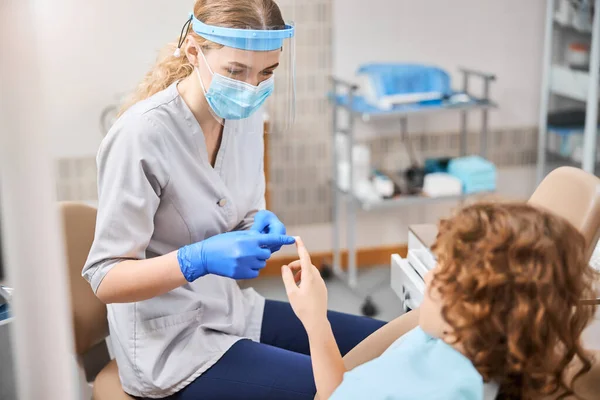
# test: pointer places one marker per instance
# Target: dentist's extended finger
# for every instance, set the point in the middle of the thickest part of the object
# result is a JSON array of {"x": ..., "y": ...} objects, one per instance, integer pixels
[{"x": 271, "y": 240}]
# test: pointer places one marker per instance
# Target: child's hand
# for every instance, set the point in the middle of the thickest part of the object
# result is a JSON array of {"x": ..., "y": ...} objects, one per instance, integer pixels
[{"x": 309, "y": 297}]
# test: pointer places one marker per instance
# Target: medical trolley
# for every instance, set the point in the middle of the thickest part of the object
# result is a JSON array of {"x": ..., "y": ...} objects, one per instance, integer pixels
[{"x": 348, "y": 105}]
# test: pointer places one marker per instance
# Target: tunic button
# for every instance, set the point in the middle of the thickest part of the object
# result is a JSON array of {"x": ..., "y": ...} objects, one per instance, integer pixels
[{"x": 222, "y": 202}]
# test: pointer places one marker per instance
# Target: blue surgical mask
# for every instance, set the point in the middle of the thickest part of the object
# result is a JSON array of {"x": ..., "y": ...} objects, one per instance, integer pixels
[{"x": 232, "y": 99}]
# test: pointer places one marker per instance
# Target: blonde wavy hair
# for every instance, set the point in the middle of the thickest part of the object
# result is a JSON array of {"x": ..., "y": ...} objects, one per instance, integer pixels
[
  {"x": 511, "y": 279},
  {"x": 240, "y": 14}
]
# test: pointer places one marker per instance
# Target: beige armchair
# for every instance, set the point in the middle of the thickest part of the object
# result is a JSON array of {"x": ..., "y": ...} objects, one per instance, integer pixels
[{"x": 89, "y": 313}]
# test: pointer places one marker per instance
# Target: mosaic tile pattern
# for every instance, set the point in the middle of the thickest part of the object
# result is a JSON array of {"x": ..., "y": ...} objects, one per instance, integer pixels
[
  {"x": 300, "y": 163},
  {"x": 510, "y": 147},
  {"x": 77, "y": 179},
  {"x": 300, "y": 167}
]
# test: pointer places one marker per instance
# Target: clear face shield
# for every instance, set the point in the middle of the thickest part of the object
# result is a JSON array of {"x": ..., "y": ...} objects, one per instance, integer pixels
[{"x": 251, "y": 75}]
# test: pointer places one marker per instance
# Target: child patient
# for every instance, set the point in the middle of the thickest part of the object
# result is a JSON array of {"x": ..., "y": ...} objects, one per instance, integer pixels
[{"x": 501, "y": 307}]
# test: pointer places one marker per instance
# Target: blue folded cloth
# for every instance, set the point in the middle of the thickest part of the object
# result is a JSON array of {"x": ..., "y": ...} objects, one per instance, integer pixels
[
  {"x": 478, "y": 180},
  {"x": 471, "y": 164},
  {"x": 476, "y": 173},
  {"x": 471, "y": 189}
]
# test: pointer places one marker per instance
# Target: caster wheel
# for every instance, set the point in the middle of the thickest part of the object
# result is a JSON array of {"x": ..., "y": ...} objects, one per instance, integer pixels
[
  {"x": 369, "y": 309},
  {"x": 326, "y": 272}
]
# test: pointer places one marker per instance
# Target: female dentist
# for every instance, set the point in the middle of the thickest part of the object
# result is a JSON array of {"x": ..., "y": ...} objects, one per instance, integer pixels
[{"x": 181, "y": 217}]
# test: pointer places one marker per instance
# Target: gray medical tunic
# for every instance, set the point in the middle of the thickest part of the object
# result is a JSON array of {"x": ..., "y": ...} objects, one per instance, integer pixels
[{"x": 158, "y": 192}]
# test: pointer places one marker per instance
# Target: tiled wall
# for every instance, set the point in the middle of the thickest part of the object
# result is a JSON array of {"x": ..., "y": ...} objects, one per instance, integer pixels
[
  {"x": 301, "y": 172},
  {"x": 510, "y": 147},
  {"x": 300, "y": 167},
  {"x": 76, "y": 179},
  {"x": 300, "y": 159}
]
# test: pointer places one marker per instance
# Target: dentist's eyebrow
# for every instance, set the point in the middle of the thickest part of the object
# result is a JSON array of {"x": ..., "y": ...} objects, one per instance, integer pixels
[
  {"x": 272, "y": 67},
  {"x": 239, "y": 65}
]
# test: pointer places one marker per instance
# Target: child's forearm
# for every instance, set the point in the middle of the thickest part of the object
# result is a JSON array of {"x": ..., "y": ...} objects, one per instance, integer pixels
[{"x": 328, "y": 366}]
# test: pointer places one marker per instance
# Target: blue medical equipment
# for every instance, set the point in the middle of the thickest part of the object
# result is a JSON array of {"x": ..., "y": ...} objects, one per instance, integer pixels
[
  {"x": 396, "y": 89},
  {"x": 387, "y": 85}
]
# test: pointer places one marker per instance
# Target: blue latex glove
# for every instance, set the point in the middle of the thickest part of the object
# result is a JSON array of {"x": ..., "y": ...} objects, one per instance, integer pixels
[
  {"x": 236, "y": 255},
  {"x": 267, "y": 222}
]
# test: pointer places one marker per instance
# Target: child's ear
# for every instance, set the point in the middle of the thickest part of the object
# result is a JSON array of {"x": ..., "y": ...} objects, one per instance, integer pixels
[{"x": 449, "y": 337}]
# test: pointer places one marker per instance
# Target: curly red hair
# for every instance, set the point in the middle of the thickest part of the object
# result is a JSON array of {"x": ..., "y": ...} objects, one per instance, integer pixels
[{"x": 511, "y": 278}]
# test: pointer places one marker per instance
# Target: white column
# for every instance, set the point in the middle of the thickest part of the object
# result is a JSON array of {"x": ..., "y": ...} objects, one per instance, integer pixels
[
  {"x": 545, "y": 91},
  {"x": 591, "y": 114},
  {"x": 43, "y": 338}
]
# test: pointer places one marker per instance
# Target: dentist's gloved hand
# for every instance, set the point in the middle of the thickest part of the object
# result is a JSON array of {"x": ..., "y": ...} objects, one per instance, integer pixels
[
  {"x": 236, "y": 255},
  {"x": 267, "y": 222}
]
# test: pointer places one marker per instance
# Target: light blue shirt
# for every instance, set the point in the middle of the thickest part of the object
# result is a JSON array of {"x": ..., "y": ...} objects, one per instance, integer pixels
[{"x": 416, "y": 366}]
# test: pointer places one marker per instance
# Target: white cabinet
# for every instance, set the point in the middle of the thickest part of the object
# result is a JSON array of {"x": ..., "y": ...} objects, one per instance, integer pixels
[{"x": 407, "y": 283}]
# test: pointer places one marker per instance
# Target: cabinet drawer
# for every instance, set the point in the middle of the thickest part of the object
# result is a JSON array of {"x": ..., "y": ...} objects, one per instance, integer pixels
[
  {"x": 407, "y": 283},
  {"x": 419, "y": 262}
]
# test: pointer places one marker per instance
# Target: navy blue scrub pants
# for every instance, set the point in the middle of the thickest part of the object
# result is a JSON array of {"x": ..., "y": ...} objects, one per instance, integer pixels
[{"x": 278, "y": 367}]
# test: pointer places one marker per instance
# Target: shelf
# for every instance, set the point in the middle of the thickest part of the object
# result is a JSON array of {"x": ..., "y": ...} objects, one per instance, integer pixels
[
  {"x": 360, "y": 108},
  {"x": 401, "y": 201},
  {"x": 570, "y": 83},
  {"x": 366, "y": 116},
  {"x": 570, "y": 27},
  {"x": 556, "y": 158}
]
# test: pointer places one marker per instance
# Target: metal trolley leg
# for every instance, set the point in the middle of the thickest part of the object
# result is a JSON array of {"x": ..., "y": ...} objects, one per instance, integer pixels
[
  {"x": 337, "y": 259},
  {"x": 351, "y": 205},
  {"x": 350, "y": 276}
]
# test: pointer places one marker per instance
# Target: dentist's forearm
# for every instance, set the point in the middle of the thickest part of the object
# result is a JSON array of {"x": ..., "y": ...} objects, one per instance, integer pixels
[
  {"x": 328, "y": 366},
  {"x": 136, "y": 280}
]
